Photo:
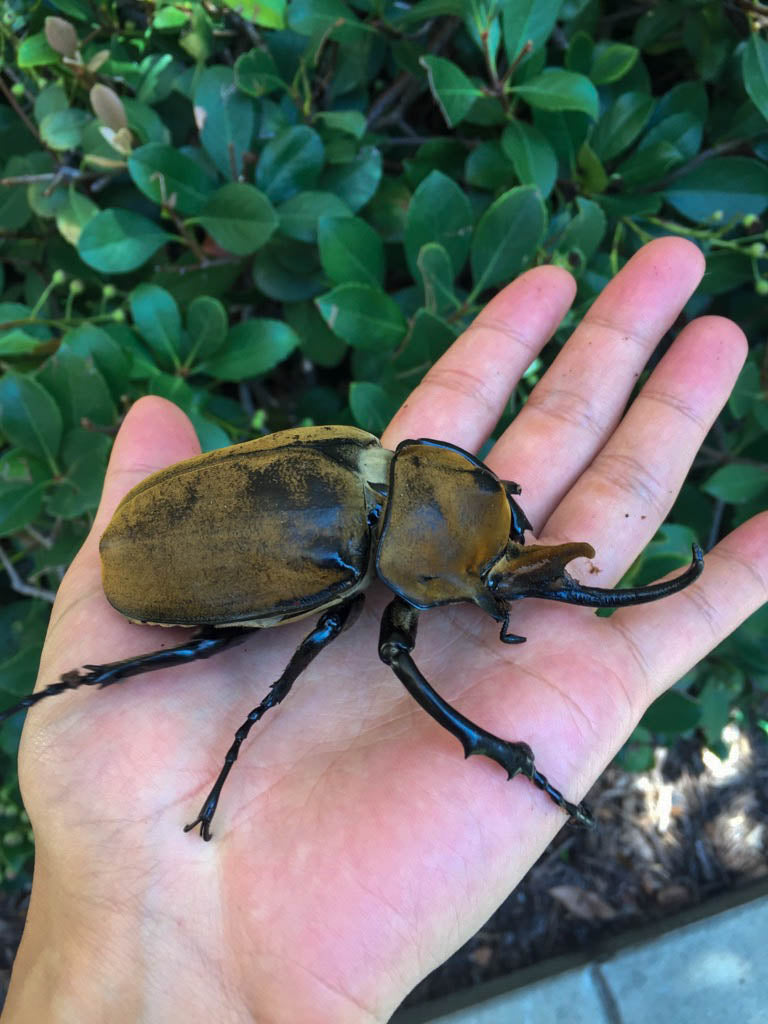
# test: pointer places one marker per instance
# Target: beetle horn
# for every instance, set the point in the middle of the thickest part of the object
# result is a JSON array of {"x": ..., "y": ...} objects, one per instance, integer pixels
[{"x": 539, "y": 571}]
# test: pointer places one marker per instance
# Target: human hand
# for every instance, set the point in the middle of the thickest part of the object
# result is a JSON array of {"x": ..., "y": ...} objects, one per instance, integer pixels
[{"x": 354, "y": 847}]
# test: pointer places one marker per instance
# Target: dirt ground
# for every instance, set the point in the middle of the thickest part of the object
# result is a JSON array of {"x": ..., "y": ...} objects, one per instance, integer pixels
[{"x": 667, "y": 840}]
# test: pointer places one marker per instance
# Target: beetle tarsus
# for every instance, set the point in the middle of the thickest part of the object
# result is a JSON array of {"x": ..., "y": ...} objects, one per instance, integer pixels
[
  {"x": 397, "y": 640},
  {"x": 329, "y": 626}
]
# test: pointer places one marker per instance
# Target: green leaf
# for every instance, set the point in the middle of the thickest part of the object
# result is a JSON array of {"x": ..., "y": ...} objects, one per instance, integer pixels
[
  {"x": 621, "y": 124},
  {"x": 117, "y": 241},
  {"x": 531, "y": 155},
  {"x": 299, "y": 214},
  {"x": 316, "y": 17},
  {"x": 754, "y": 69},
  {"x": 737, "y": 483},
  {"x": 526, "y": 21},
  {"x": 673, "y": 712},
  {"x": 239, "y": 217},
  {"x": 350, "y": 250},
  {"x": 78, "y": 491},
  {"x": 507, "y": 236},
  {"x": 80, "y": 391},
  {"x": 20, "y": 504},
  {"x": 267, "y": 13},
  {"x": 556, "y": 89},
  {"x": 733, "y": 186},
  {"x": 162, "y": 172},
  {"x": 317, "y": 340},
  {"x": 440, "y": 211},
  {"x": 290, "y": 163},
  {"x": 436, "y": 278},
  {"x": 17, "y": 342},
  {"x": 158, "y": 320},
  {"x": 35, "y": 52},
  {"x": 91, "y": 342},
  {"x": 252, "y": 348},
  {"x": 226, "y": 120},
  {"x": 355, "y": 181},
  {"x": 487, "y": 167},
  {"x": 371, "y": 405},
  {"x": 63, "y": 129},
  {"x": 207, "y": 326},
  {"x": 350, "y": 122},
  {"x": 648, "y": 164},
  {"x": 363, "y": 316},
  {"x": 584, "y": 232},
  {"x": 29, "y": 417},
  {"x": 256, "y": 73},
  {"x": 453, "y": 91},
  {"x": 612, "y": 61}
]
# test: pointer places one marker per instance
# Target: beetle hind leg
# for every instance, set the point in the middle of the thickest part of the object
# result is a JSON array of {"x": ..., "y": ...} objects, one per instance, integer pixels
[
  {"x": 398, "y": 638},
  {"x": 205, "y": 644},
  {"x": 329, "y": 626}
]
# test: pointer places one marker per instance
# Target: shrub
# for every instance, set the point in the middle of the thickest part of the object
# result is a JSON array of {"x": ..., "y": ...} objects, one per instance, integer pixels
[{"x": 279, "y": 214}]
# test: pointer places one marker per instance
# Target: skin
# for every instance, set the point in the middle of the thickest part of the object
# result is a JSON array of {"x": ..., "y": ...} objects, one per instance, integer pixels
[{"x": 354, "y": 849}]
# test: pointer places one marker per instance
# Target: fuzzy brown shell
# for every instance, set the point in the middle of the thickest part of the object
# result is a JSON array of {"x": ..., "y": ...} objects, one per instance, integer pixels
[{"x": 256, "y": 533}]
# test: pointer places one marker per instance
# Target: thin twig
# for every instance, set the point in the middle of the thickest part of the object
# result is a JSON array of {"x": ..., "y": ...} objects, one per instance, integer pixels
[{"x": 20, "y": 585}]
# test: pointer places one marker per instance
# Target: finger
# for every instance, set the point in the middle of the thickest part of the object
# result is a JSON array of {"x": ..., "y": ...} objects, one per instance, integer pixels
[
  {"x": 463, "y": 395},
  {"x": 576, "y": 405},
  {"x": 627, "y": 491},
  {"x": 669, "y": 637},
  {"x": 154, "y": 434}
]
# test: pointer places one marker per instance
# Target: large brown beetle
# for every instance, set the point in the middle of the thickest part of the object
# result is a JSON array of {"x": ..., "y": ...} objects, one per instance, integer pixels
[{"x": 300, "y": 522}]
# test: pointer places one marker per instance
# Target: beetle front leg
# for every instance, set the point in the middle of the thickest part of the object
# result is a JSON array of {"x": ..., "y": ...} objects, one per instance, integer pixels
[
  {"x": 398, "y": 638},
  {"x": 330, "y": 625}
]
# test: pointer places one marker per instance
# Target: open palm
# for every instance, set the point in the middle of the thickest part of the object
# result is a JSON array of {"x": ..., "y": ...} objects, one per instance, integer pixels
[{"x": 353, "y": 847}]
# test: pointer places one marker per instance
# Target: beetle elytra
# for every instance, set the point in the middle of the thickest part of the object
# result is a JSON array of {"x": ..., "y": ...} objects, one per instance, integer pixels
[{"x": 315, "y": 514}]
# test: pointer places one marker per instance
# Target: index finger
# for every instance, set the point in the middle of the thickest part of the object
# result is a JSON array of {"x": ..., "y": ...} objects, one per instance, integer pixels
[{"x": 463, "y": 395}]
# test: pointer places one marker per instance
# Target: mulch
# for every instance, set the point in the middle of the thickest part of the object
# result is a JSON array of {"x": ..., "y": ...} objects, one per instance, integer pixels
[{"x": 668, "y": 840}]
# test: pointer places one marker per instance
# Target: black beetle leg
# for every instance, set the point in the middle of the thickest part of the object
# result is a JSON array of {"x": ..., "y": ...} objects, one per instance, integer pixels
[
  {"x": 203, "y": 645},
  {"x": 398, "y": 637},
  {"x": 329, "y": 626}
]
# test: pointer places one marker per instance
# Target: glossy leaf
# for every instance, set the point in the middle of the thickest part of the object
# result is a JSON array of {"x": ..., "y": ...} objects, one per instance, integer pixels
[
  {"x": 737, "y": 483},
  {"x": 164, "y": 174},
  {"x": 363, "y": 316},
  {"x": 439, "y": 212},
  {"x": 372, "y": 406},
  {"x": 507, "y": 237},
  {"x": 239, "y": 217},
  {"x": 290, "y": 163},
  {"x": 225, "y": 118},
  {"x": 207, "y": 327},
  {"x": 157, "y": 318},
  {"x": 118, "y": 241},
  {"x": 252, "y": 348},
  {"x": 526, "y": 21},
  {"x": 556, "y": 89},
  {"x": 453, "y": 90},
  {"x": 300, "y": 214},
  {"x": 531, "y": 154},
  {"x": 29, "y": 417},
  {"x": 730, "y": 186},
  {"x": 80, "y": 391},
  {"x": 754, "y": 68},
  {"x": 350, "y": 250}
]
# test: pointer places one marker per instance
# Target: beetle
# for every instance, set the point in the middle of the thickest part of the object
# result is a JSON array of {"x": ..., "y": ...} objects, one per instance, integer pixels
[{"x": 299, "y": 523}]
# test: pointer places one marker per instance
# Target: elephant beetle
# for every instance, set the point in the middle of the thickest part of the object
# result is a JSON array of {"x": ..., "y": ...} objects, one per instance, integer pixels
[{"x": 299, "y": 523}]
